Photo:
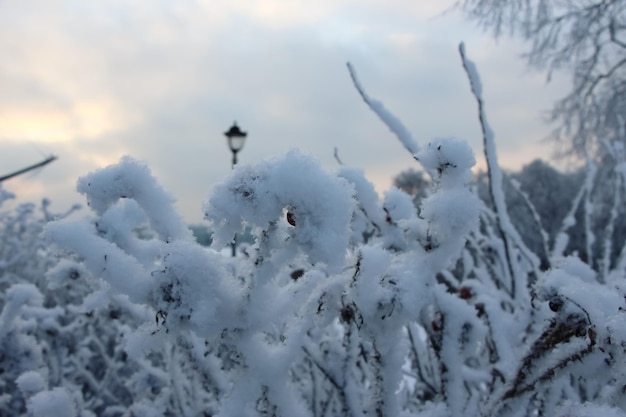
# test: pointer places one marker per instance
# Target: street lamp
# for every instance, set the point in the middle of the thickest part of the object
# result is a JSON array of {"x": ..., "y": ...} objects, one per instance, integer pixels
[{"x": 236, "y": 138}]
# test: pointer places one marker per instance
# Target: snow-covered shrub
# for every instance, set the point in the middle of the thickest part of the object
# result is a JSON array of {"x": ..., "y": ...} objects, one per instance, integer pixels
[
  {"x": 306, "y": 277},
  {"x": 61, "y": 350},
  {"x": 347, "y": 304},
  {"x": 23, "y": 311}
]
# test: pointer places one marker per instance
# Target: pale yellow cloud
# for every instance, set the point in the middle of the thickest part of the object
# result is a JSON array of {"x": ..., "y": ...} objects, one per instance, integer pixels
[
  {"x": 515, "y": 159},
  {"x": 101, "y": 160},
  {"x": 86, "y": 119},
  {"x": 403, "y": 39}
]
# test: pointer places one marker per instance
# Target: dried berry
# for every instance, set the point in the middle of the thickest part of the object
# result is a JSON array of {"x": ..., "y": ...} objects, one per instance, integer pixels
[
  {"x": 297, "y": 274},
  {"x": 347, "y": 314},
  {"x": 465, "y": 293},
  {"x": 436, "y": 325},
  {"x": 555, "y": 304}
]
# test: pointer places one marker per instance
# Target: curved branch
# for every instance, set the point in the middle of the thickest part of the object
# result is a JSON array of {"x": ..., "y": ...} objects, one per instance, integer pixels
[{"x": 392, "y": 122}]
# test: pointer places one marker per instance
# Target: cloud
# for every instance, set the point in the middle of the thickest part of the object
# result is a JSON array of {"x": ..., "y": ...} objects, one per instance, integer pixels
[{"x": 162, "y": 81}]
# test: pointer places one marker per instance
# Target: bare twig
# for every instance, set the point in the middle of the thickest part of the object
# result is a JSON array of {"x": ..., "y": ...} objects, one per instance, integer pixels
[
  {"x": 336, "y": 155},
  {"x": 29, "y": 168}
]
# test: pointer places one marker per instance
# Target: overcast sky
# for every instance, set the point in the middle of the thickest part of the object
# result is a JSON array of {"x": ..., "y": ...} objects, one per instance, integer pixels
[{"x": 161, "y": 80}]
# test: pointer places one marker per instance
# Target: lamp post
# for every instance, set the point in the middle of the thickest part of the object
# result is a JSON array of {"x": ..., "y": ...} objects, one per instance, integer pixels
[{"x": 236, "y": 138}]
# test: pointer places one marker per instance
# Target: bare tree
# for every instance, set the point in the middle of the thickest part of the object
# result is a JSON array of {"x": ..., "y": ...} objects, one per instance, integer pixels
[{"x": 585, "y": 39}]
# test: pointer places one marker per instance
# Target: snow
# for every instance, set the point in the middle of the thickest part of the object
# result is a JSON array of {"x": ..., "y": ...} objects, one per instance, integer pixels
[
  {"x": 63, "y": 273},
  {"x": 589, "y": 410},
  {"x": 255, "y": 306},
  {"x": 17, "y": 297},
  {"x": 56, "y": 402},
  {"x": 194, "y": 290},
  {"x": 320, "y": 205},
  {"x": 369, "y": 216},
  {"x": 130, "y": 179},
  {"x": 345, "y": 304},
  {"x": 30, "y": 383},
  {"x": 448, "y": 218},
  {"x": 576, "y": 283},
  {"x": 449, "y": 160},
  {"x": 118, "y": 268}
]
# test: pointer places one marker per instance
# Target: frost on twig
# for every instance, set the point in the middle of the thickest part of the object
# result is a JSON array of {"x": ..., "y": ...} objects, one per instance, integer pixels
[
  {"x": 393, "y": 123},
  {"x": 583, "y": 197},
  {"x": 509, "y": 235}
]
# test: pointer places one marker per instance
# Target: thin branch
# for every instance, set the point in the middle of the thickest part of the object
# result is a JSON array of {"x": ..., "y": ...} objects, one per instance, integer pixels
[
  {"x": 336, "y": 155},
  {"x": 324, "y": 371},
  {"x": 29, "y": 168},
  {"x": 607, "y": 242},
  {"x": 420, "y": 373},
  {"x": 505, "y": 229},
  {"x": 537, "y": 220}
]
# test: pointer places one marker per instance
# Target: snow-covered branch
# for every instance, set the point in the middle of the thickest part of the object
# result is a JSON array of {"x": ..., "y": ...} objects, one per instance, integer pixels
[{"x": 347, "y": 303}]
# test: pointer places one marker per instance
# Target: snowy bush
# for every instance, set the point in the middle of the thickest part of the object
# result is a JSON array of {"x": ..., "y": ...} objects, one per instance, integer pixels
[
  {"x": 23, "y": 314},
  {"x": 347, "y": 304},
  {"x": 251, "y": 325},
  {"x": 61, "y": 331}
]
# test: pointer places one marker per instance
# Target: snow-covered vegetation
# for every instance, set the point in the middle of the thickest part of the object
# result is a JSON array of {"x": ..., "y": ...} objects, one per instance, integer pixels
[{"x": 346, "y": 304}]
